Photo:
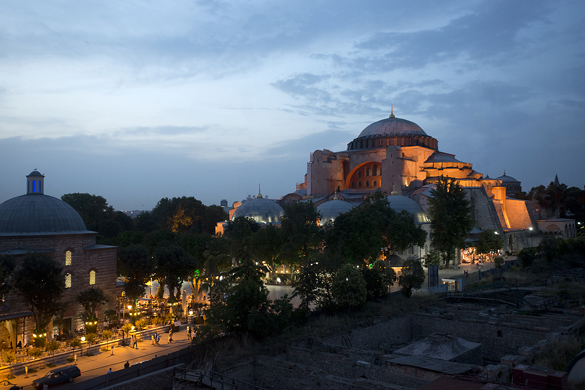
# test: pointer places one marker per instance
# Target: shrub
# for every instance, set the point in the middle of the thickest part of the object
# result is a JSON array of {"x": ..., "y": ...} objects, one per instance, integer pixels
[{"x": 349, "y": 287}]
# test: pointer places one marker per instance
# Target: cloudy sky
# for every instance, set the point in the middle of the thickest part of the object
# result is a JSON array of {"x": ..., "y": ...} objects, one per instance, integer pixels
[{"x": 139, "y": 100}]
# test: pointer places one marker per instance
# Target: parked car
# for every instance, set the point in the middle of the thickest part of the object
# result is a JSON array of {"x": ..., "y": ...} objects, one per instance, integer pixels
[{"x": 57, "y": 376}]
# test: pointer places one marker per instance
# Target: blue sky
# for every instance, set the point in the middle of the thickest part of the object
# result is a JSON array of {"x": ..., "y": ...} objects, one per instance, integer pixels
[{"x": 139, "y": 100}]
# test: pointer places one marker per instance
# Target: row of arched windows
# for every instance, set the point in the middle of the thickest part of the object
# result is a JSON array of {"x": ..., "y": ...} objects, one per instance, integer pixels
[
  {"x": 69, "y": 277},
  {"x": 367, "y": 184}
]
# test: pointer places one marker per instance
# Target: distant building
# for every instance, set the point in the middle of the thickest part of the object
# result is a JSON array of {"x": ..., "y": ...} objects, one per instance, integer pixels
[{"x": 38, "y": 223}]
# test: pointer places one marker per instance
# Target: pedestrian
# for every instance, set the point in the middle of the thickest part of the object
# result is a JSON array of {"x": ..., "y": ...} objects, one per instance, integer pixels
[
  {"x": 127, "y": 364},
  {"x": 170, "y": 336},
  {"x": 194, "y": 335},
  {"x": 189, "y": 333},
  {"x": 153, "y": 337},
  {"x": 110, "y": 371}
]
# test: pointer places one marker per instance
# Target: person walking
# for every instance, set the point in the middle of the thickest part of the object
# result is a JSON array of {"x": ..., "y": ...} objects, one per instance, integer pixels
[
  {"x": 127, "y": 364},
  {"x": 188, "y": 333},
  {"x": 135, "y": 345},
  {"x": 110, "y": 371},
  {"x": 170, "y": 335}
]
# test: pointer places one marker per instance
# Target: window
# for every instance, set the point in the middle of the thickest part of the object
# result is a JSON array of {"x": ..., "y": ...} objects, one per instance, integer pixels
[
  {"x": 67, "y": 280},
  {"x": 359, "y": 183},
  {"x": 375, "y": 170},
  {"x": 367, "y": 171},
  {"x": 375, "y": 183},
  {"x": 92, "y": 277},
  {"x": 359, "y": 173},
  {"x": 68, "y": 258},
  {"x": 367, "y": 183},
  {"x": 352, "y": 184}
]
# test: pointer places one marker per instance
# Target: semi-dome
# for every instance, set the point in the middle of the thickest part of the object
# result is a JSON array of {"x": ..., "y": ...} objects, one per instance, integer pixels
[
  {"x": 331, "y": 210},
  {"x": 392, "y": 127},
  {"x": 260, "y": 210},
  {"x": 39, "y": 214},
  {"x": 36, "y": 214},
  {"x": 399, "y": 203}
]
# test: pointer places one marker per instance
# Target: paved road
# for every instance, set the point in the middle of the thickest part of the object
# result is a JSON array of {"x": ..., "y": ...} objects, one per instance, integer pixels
[{"x": 93, "y": 366}]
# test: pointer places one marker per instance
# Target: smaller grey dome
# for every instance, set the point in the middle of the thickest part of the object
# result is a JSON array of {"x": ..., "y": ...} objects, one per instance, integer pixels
[
  {"x": 399, "y": 203},
  {"x": 35, "y": 173},
  {"x": 261, "y": 210},
  {"x": 330, "y": 210},
  {"x": 507, "y": 179}
]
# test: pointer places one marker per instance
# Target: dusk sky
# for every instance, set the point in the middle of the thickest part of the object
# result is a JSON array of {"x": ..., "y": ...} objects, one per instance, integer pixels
[{"x": 136, "y": 101}]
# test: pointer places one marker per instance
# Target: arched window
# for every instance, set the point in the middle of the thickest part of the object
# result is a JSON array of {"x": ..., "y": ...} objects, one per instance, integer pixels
[
  {"x": 68, "y": 258},
  {"x": 359, "y": 173},
  {"x": 92, "y": 277},
  {"x": 68, "y": 280},
  {"x": 367, "y": 183},
  {"x": 352, "y": 184},
  {"x": 367, "y": 171},
  {"x": 375, "y": 170},
  {"x": 375, "y": 183},
  {"x": 359, "y": 183}
]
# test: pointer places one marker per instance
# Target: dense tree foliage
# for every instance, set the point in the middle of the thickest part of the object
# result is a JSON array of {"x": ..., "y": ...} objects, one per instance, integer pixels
[
  {"x": 93, "y": 209},
  {"x": 6, "y": 267},
  {"x": 450, "y": 214},
  {"x": 90, "y": 299},
  {"x": 301, "y": 235},
  {"x": 358, "y": 235},
  {"x": 136, "y": 264},
  {"x": 40, "y": 283},
  {"x": 349, "y": 287},
  {"x": 489, "y": 240},
  {"x": 412, "y": 277}
]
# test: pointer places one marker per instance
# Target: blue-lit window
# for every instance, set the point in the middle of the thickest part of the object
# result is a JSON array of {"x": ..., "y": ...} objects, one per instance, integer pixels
[
  {"x": 33, "y": 186},
  {"x": 40, "y": 187}
]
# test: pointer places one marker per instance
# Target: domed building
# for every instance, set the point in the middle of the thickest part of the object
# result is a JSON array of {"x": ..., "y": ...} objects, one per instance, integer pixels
[
  {"x": 39, "y": 223},
  {"x": 398, "y": 152},
  {"x": 331, "y": 210},
  {"x": 512, "y": 185},
  {"x": 262, "y": 210}
]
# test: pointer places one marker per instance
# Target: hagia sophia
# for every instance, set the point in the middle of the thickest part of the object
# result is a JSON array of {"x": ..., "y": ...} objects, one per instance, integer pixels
[{"x": 398, "y": 157}]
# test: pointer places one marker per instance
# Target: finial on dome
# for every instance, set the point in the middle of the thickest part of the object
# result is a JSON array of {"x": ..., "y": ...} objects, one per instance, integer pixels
[
  {"x": 504, "y": 172},
  {"x": 392, "y": 111},
  {"x": 259, "y": 192},
  {"x": 335, "y": 195},
  {"x": 394, "y": 192}
]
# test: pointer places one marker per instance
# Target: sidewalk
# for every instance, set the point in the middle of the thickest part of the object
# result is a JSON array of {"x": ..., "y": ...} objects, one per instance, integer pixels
[{"x": 99, "y": 364}]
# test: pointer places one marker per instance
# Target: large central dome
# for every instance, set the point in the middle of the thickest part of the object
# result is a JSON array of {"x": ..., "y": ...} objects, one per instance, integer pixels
[
  {"x": 392, "y": 131},
  {"x": 392, "y": 127}
]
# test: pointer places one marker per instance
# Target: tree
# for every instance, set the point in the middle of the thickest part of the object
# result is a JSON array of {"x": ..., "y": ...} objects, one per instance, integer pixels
[
  {"x": 52, "y": 346},
  {"x": 527, "y": 256},
  {"x": 265, "y": 246},
  {"x": 93, "y": 209},
  {"x": 378, "y": 279},
  {"x": 126, "y": 328},
  {"x": 450, "y": 214},
  {"x": 499, "y": 262},
  {"x": 6, "y": 269},
  {"x": 90, "y": 299},
  {"x": 432, "y": 257},
  {"x": 301, "y": 234},
  {"x": 349, "y": 287},
  {"x": 412, "y": 277},
  {"x": 173, "y": 266},
  {"x": 107, "y": 334},
  {"x": 549, "y": 247},
  {"x": 137, "y": 266},
  {"x": 359, "y": 234},
  {"x": 489, "y": 241},
  {"x": 40, "y": 283}
]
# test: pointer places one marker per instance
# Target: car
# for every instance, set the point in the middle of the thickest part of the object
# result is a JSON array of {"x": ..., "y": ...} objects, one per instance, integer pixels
[{"x": 57, "y": 376}]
